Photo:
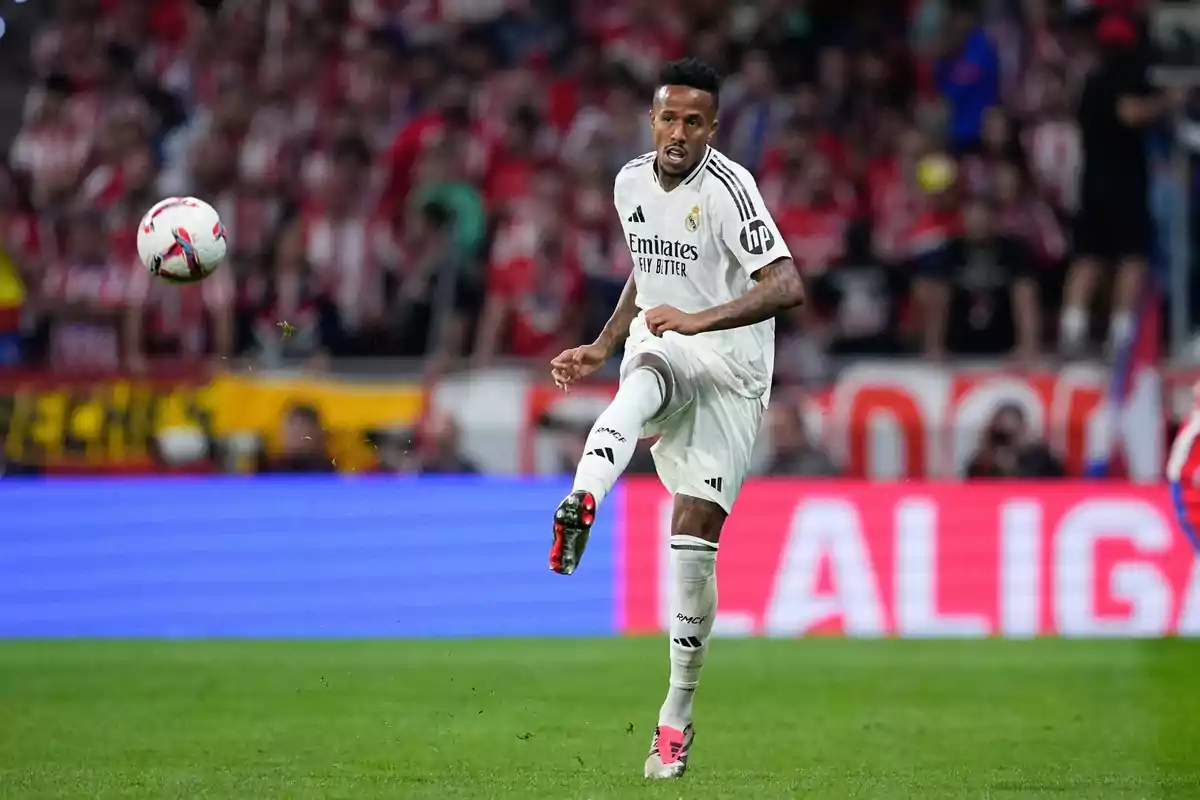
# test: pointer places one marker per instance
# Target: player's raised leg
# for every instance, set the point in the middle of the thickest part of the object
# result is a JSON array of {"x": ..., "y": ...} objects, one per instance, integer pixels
[
  {"x": 695, "y": 531},
  {"x": 606, "y": 454}
]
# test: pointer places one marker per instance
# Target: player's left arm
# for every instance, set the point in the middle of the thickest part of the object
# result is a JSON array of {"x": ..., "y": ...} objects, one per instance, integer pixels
[
  {"x": 777, "y": 288},
  {"x": 749, "y": 232}
]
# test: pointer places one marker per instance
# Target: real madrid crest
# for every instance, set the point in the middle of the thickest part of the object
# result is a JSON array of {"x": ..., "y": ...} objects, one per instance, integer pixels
[{"x": 692, "y": 221}]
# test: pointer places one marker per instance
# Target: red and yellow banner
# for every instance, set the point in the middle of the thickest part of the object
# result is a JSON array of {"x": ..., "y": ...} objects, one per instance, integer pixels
[{"x": 112, "y": 421}]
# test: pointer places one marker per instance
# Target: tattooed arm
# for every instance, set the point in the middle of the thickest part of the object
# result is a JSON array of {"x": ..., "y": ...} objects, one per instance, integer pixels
[
  {"x": 778, "y": 287},
  {"x": 577, "y": 363},
  {"x": 616, "y": 330}
]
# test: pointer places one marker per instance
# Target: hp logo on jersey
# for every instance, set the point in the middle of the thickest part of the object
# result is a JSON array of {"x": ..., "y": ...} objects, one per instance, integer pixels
[{"x": 756, "y": 238}]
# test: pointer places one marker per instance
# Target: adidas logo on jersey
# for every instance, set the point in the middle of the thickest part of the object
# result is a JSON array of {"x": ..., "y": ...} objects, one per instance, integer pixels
[
  {"x": 637, "y": 216},
  {"x": 715, "y": 483}
]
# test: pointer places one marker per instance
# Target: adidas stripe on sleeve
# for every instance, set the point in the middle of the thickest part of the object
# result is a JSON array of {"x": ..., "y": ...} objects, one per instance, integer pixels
[{"x": 745, "y": 224}]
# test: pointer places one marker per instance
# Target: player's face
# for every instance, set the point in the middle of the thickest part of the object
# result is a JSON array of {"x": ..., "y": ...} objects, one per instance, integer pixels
[{"x": 683, "y": 120}]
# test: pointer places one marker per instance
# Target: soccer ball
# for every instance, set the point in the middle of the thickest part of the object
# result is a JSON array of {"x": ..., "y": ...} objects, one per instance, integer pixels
[{"x": 181, "y": 240}]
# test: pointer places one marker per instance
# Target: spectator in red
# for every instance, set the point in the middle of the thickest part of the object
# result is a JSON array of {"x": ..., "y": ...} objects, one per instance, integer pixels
[
  {"x": 531, "y": 298},
  {"x": 287, "y": 313},
  {"x": 83, "y": 299},
  {"x": 185, "y": 323},
  {"x": 1053, "y": 148},
  {"x": 68, "y": 46},
  {"x": 373, "y": 91},
  {"x": 512, "y": 170},
  {"x": 895, "y": 199},
  {"x": 603, "y": 252},
  {"x": 939, "y": 220},
  {"x": 347, "y": 245},
  {"x": 448, "y": 118},
  {"x": 783, "y": 161},
  {"x": 641, "y": 34},
  {"x": 1027, "y": 218},
  {"x": 53, "y": 146},
  {"x": 817, "y": 210},
  {"x": 121, "y": 160},
  {"x": 21, "y": 233}
]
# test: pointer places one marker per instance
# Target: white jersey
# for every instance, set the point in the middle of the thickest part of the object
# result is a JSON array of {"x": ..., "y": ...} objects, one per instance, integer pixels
[{"x": 696, "y": 247}]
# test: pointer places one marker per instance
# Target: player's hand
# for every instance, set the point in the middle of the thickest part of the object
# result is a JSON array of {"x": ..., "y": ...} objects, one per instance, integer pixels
[
  {"x": 661, "y": 319},
  {"x": 577, "y": 363}
]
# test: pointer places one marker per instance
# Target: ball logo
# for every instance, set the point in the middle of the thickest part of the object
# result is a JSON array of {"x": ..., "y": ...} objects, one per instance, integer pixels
[{"x": 756, "y": 238}]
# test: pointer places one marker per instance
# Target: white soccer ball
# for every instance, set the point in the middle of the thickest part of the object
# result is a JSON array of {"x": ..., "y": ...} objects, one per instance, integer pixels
[{"x": 181, "y": 240}]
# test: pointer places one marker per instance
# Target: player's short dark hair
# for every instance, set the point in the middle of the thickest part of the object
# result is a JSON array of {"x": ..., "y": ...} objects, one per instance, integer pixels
[{"x": 694, "y": 74}]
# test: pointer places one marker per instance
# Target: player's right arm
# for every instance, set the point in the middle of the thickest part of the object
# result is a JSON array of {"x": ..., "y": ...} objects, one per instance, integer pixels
[
  {"x": 579, "y": 362},
  {"x": 616, "y": 330}
]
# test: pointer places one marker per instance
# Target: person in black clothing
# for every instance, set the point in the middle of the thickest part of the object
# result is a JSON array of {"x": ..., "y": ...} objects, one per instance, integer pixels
[
  {"x": 1113, "y": 228},
  {"x": 302, "y": 447},
  {"x": 980, "y": 297},
  {"x": 857, "y": 298},
  {"x": 1007, "y": 450}
]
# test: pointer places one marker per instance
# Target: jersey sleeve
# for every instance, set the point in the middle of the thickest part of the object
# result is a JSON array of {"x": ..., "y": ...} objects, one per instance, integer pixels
[{"x": 743, "y": 221}]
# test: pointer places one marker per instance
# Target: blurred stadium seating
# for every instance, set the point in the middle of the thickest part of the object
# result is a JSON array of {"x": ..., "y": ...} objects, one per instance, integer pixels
[{"x": 421, "y": 191}]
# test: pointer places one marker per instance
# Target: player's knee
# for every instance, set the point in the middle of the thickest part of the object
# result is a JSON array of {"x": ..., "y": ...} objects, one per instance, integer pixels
[
  {"x": 676, "y": 393},
  {"x": 695, "y": 516}
]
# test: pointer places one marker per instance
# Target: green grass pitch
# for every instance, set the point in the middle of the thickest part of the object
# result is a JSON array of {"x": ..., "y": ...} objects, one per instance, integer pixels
[{"x": 820, "y": 718}]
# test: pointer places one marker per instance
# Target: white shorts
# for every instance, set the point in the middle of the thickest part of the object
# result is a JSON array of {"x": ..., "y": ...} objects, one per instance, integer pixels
[{"x": 707, "y": 433}]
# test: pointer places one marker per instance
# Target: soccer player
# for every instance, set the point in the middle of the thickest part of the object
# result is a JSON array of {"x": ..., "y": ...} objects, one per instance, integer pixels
[
  {"x": 1183, "y": 475},
  {"x": 696, "y": 318}
]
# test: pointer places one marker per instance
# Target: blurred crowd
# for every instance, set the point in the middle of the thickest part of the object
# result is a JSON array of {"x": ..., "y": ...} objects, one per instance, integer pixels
[{"x": 433, "y": 178}]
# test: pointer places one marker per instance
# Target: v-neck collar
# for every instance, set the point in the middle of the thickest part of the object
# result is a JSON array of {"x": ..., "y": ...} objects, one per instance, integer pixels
[{"x": 692, "y": 175}]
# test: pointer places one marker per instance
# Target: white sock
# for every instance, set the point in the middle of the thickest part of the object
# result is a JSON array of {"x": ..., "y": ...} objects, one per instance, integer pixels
[
  {"x": 613, "y": 438},
  {"x": 693, "y": 611},
  {"x": 1121, "y": 328},
  {"x": 1073, "y": 327}
]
